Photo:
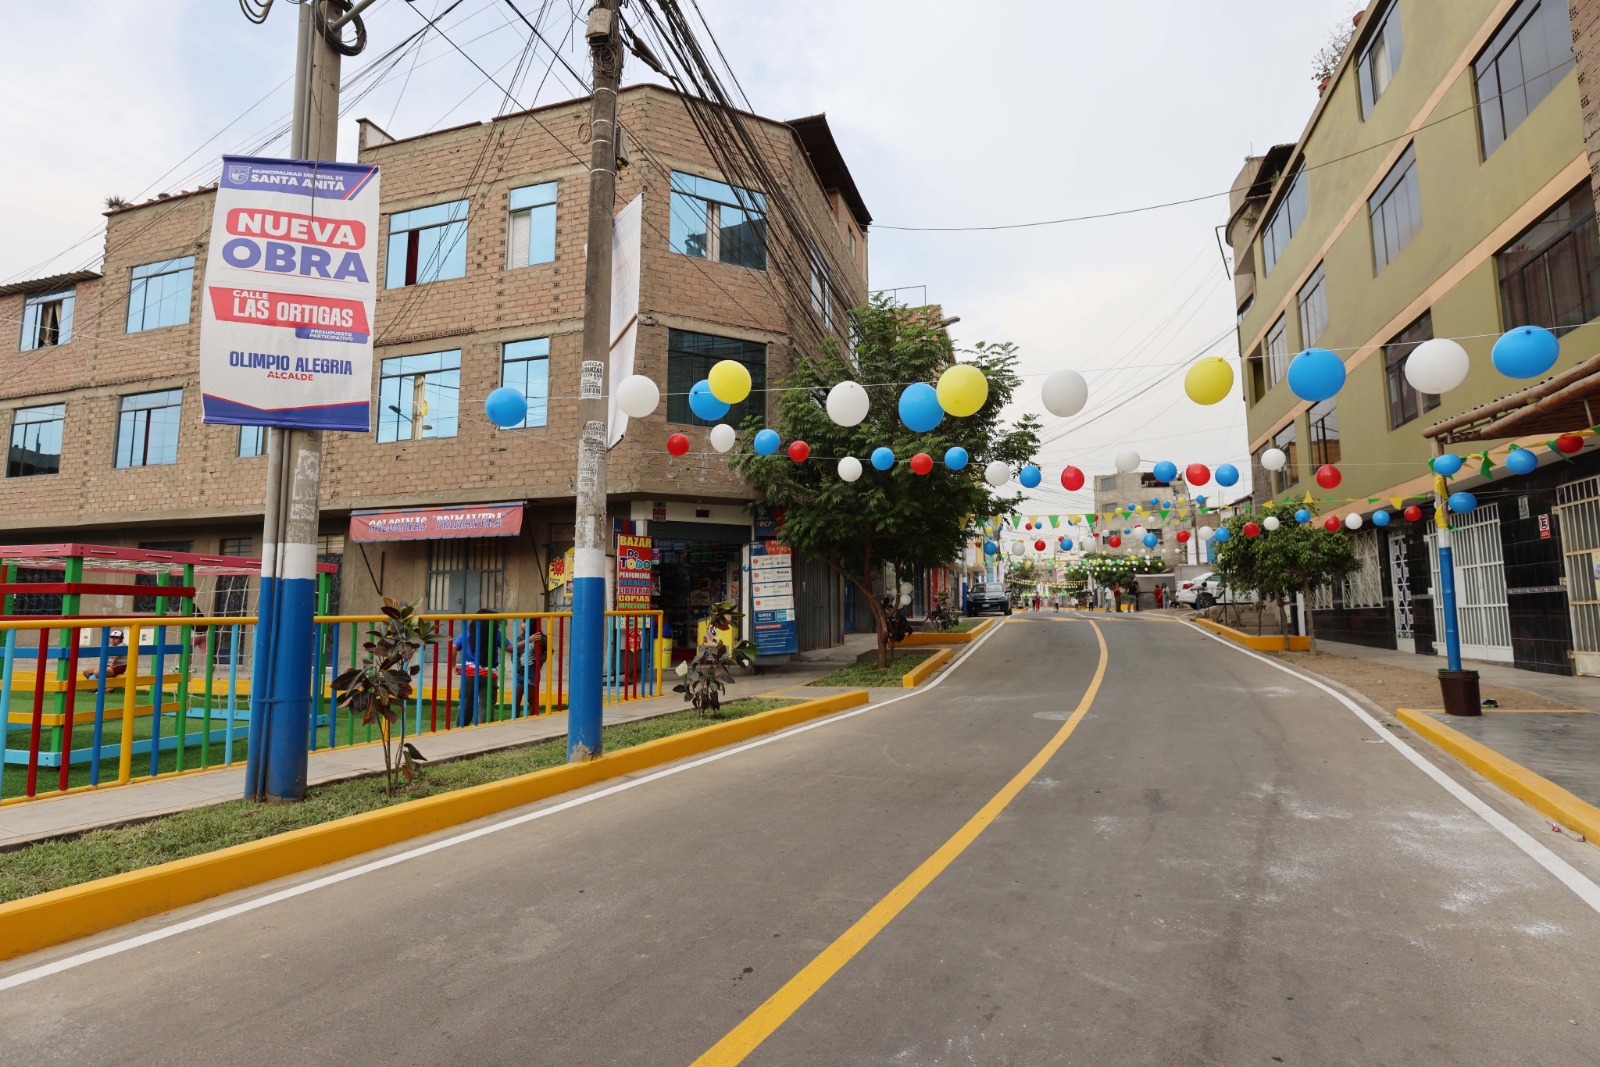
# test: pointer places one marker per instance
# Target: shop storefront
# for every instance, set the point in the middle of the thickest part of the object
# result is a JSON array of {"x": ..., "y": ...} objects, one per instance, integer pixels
[
  {"x": 697, "y": 565},
  {"x": 453, "y": 559}
]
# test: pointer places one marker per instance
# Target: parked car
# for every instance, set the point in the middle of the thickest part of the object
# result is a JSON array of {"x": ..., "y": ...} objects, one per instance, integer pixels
[
  {"x": 988, "y": 596},
  {"x": 1207, "y": 591}
]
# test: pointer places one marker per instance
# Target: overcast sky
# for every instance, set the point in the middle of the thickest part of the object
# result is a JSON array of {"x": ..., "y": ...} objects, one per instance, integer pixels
[{"x": 949, "y": 113}]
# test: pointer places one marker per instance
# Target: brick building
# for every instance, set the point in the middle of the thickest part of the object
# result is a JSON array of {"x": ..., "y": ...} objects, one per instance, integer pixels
[{"x": 480, "y": 284}]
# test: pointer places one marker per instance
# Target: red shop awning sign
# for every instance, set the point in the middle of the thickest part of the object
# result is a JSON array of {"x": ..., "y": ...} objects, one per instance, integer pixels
[{"x": 432, "y": 524}]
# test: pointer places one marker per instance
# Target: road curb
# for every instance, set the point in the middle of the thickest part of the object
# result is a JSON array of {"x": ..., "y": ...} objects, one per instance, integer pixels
[
  {"x": 1537, "y": 791},
  {"x": 924, "y": 670},
  {"x": 936, "y": 638},
  {"x": 62, "y": 915},
  {"x": 1255, "y": 644}
]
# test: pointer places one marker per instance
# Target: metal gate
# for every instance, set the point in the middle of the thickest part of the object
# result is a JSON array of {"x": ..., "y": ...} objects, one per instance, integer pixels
[
  {"x": 1483, "y": 613},
  {"x": 1578, "y": 512},
  {"x": 1405, "y": 632}
]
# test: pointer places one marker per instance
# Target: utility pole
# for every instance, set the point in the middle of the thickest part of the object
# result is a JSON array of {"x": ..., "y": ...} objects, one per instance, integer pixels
[{"x": 593, "y": 528}]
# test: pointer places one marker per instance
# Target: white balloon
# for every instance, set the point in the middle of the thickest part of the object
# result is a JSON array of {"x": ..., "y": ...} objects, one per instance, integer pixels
[
  {"x": 637, "y": 396},
  {"x": 1206, "y": 533},
  {"x": 1127, "y": 461},
  {"x": 906, "y": 588},
  {"x": 1274, "y": 459},
  {"x": 848, "y": 403},
  {"x": 1437, "y": 366},
  {"x": 1138, "y": 531},
  {"x": 1018, "y": 548},
  {"x": 849, "y": 468},
  {"x": 905, "y": 600},
  {"x": 723, "y": 437},
  {"x": 997, "y": 473},
  {"x": 1064, "y": 393},
  {"x": 1270, "y": 522},
  {"x": 1352, "y": 521}
]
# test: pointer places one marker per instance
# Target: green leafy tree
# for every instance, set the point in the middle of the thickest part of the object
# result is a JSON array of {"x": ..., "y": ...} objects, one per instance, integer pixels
[
  {"x": 379, "y": 688},
  {"x": 892, "y": 518},
  {"x": 1294, "y": 558}
]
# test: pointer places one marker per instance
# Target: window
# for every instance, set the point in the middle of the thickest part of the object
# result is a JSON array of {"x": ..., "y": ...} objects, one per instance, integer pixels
[
  {"x": 1380, "y": 58},
  {"x": 147, "y": 428},
  {"x": 1547, "y": 275},
  {"x": 1277, "y": 351},
  {"x": 427, "y": 245},
  {"x": 711, "y": 220},
  {"x": 1324, "y": 419},
  {"x": 1285, "y": 221},
  {"x": 1405, "y": 403},
  {"x": 466, "y": 574},
  {"x": 1396, "y": 210},
  {"x": 36, "y": 441},
  {"x": 252, "y": 441},
  {"x": 852, "y": 246},
  {"x": 821, "y": 290},
  {"x": 531, "y": 236},
  {"x": 419, "y": 396},
  {"x": 690, "y": 357},
  {"x": 1364, "y": 587},
  {"x": 1521, "y": 64},
  {"x": 1285, "y": 441},
  {"x": 158, "y": 294},
  {"x": 47, "y": 319},
  {"x": 1313, "y": 308},
  {"x": 525, "y": 367},
  {"x": 234, "y": 546}
]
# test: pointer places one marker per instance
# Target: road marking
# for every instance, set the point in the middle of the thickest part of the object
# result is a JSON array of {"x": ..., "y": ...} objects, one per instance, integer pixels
[
  {"x": 150, "y": 937},
  {"x": 760, "y": 1024},
  {"x": 1567, "y": 874}
]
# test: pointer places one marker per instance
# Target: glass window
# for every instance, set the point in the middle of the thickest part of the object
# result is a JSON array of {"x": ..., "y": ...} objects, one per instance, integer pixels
[
  {"x": 525, "y": 367},
  {"x": 158, "y": 294},
  {"x": 252, "y": 441},
  {"x": 419, "y": 396},
  {"x": 47, "y": 319},
  {"x": 821, "y": 290},
  {"x": 1324, "y": 419},
  {"x": 531, "y": 236},
  {"x": 36, "y": 440},
  {"x": 147, "y": 428},
  {"x": 1405, "y": 403},
  {"x": 711, "y": 220},
  {"x": 1277, "y": 351},
  {"x": 1524, "y": 61},
  {"x": 690, "y": 357},
  {"x": 1285, "y": 221},
  {"x": 1547, "y": 275},
  {"x": 1313, "y": 308},
  {"x": 1396, "y": 210},
  {"x": 234, "y": 546},
  {"x": 1286, "y": 441},
  {"x": 1380, "y": 58},
  {"x": 427, "y": 245}
]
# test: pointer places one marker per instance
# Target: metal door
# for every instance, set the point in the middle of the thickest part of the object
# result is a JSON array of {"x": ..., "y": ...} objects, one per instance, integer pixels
[
  {"x": 1578, "y": 512},
  {"x": 1483, "y": 613},
  {"x": 1400, "y": 573}
]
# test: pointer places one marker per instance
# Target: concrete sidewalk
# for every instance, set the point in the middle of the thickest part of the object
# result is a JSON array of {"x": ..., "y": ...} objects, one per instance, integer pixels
[
  {"x": 1562, "y": 746},
  {"x": 1574, "y": 692}
]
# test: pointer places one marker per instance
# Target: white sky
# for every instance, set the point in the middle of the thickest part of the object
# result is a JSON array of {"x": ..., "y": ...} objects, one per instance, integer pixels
[{"x": 1031, "y": 110}]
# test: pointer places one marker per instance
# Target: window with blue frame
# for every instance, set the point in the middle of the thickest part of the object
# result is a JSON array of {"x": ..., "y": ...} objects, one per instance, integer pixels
[
  {"x": 147, "y": 428},
  {"x": 252, "y": 441},
  {"x": 427, "y": 245},
  {"x": 531, "y": 233},
  {"x": 47, "y": 319},
  {"x": 36, "y": 440},
  {"x": 712, "y": 220},
  {"x": 525, "y": 367},
  {"x": 419, "y": 396},
  {"x": 690, "y": 357},
  {"x": 159, "y": 293},
  {"x": 1285, "y": 221}
]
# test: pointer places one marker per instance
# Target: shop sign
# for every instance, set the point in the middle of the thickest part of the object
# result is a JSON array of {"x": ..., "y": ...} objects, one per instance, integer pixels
[
  {"x": 634, "y": 563},
  {"x": 434, "y": 524},
  {"x": 1544, "y": 527},
  {"x": 772, "y": 599}
]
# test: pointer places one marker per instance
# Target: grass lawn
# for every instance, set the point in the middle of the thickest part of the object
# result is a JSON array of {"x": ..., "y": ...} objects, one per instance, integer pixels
[
  {"x": 100, "y": 853},
  {"x": 961, "y": 627},
  {"x": 867, "y": 675}
]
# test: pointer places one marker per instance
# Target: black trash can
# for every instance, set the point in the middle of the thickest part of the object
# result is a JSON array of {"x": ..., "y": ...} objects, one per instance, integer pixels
[{"x": 1460, "y": 690}]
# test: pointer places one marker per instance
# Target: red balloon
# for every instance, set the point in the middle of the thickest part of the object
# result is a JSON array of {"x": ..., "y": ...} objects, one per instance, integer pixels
[
  {"x": 1568, "y": 443},
  {"x": 1072, "y": 478},
  {"x": 1413, "y": 513},
  {"x": 678, "y": 444},
  {"x": 1038, "y": 546},
  {"x": 1332, "y": 524},
  {"x": 1328, "y": 476},
  {"x": 1252, "y": 530},
  {"x": 799, "y": 451},
  {"x": 1183, "y": 537},
  {"x": 1197, "y": 474},
  {"x": 1027, "y": 525},
  {"x": 921, "y": 463},
  {"x": 1115, "y": 541}
]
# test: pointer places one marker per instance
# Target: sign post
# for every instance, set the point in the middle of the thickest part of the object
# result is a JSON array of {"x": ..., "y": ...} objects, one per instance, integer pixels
[{"x": 772, "y": 599}]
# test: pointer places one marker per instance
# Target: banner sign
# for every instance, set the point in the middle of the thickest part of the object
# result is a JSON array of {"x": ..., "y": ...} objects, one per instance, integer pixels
[
  {"x": 772, "y": 599},
  {"x": 434, "y": 524},
  {"x": 286, "y": 315},
  {"x": 634, "y": 556}
]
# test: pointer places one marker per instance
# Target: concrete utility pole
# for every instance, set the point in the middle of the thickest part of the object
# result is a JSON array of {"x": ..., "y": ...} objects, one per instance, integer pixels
[{"x": 593, "y": 524}]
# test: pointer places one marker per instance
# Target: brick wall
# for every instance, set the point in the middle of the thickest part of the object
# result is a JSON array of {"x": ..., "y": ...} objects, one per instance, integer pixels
[{"x": 1586, "y": 45}]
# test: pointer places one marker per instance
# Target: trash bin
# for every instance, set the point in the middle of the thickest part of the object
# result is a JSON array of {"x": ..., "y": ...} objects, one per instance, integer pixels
[{"x": 1460, "y": 690}]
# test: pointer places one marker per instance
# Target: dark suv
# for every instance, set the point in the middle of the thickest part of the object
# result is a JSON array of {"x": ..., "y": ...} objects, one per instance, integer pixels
[{"x": 988, "y": 596}]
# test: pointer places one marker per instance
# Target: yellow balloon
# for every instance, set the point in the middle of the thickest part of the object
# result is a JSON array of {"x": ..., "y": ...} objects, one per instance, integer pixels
[
  {"x": 730, "y": 381},
  {"x": 962, "y": 390},
  {"x": 1209, "y": 381}
]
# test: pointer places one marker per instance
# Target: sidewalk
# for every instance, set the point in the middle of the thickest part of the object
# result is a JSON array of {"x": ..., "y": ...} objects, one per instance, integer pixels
[
  {"x": 112, "y": 806},
  {"x": 1573, "y": 692},
  {"x": 1561, "y": 746}
]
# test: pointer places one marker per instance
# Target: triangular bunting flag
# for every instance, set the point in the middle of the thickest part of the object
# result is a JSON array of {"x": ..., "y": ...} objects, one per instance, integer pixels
[
  {"x": 1487, "y": 470},
  {"x": 1399, "y": 502},
  {"x": 1308, "y": 499}
]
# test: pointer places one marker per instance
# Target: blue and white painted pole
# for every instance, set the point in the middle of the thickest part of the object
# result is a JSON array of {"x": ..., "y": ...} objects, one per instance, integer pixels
[{"x": 1447, "y": 570}]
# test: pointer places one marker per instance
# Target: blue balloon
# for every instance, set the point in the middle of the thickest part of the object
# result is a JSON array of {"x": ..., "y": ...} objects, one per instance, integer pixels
[
  {"x": 1155, "y": 502},
  {"x": 1126, "y": 530},
  {"x": 1199, "y": 500},
  {"x": 1316, "y": 375},
  {"x": 1165, "y": 471},
  {"x": 1227, "y": 474},
  {"x": 703, "y": 404},
  {"x": 1221, "y": 535},
  {"x": 1151, "y": 540},
  {"x": 1461, "y": 503},
  {"x": 1302, "y": 516},
  {"x": 991, "y": 549},
  {"x": 1380, "y": 518},
  {"x": 919, "y": 407},
  {"x": 956, "y": 458},
  {"x": 1522, "y": 461},
  {"x": 1447, "y": 465},
  {"x": 882, "y": 458},
  {"x": 1030, "y": 477},
  {"x": 766, "y": 442},
  {"x": 506, "y": 407},
  {"x": 1526, "y": 352}
]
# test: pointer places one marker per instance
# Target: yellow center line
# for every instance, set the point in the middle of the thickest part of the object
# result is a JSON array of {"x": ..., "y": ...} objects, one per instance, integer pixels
[{"x": 776, "y": 1010}]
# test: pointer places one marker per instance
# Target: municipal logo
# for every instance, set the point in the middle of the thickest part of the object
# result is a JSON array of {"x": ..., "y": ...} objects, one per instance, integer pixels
[{"x": 239, "y": 174}]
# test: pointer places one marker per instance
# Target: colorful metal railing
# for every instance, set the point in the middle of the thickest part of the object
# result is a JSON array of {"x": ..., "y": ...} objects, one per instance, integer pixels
[{"x": 84, "y": 710}]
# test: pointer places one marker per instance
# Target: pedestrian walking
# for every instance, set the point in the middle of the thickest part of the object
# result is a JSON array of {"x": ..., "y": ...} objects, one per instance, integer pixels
[
  {"x": 1037, "y": 601},
  {"x": 1115, "y": 601},
  {"x": 1161, "y": 597},
  {"x": 481, "y": 646},
  {"x": 1133, "y": 587}
]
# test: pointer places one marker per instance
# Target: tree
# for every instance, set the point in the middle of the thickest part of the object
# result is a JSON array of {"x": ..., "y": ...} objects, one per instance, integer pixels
[
  {"x": 892, "y": 518},
  {"x": 1294, "y": 558},
  {"x": 1331, "y": 54},
  {"x": 379, "y": 688}
]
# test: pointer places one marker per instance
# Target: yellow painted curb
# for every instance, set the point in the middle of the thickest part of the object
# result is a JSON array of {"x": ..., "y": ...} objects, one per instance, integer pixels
[
  {"x": 936, "y": 638},
  {"x": 61, "y": 915},
  {"x": 922, "y": 671},
  {"x": 1539, "y": 792},
  {"x": 1258, "y": 644}
]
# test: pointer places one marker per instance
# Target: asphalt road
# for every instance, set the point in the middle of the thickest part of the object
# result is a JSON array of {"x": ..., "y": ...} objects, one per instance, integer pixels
[{"x": 1220, "y": 864}]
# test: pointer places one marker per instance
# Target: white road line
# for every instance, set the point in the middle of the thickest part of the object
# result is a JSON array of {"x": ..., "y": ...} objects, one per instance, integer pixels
[
  {"x": 115, "y": 948},
  {"x": 1569, "y": 875}
]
